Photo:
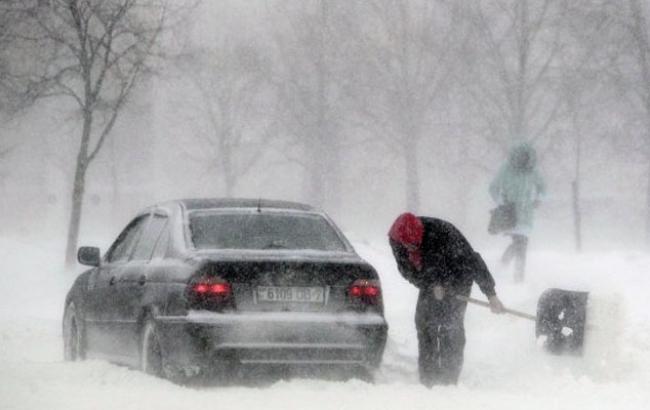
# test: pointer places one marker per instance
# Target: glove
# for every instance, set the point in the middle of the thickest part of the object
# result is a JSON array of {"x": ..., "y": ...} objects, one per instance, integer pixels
[{"x": 495, "y": 305}]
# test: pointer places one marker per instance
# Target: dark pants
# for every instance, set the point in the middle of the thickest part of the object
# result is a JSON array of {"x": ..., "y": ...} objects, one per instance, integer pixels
[
  {"x": 441, "y": 338},
  {"x": 517, "y": 250}
]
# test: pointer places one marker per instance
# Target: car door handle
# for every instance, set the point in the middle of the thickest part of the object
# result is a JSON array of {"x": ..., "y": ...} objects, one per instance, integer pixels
[
  {"x": 111, "y": 282},
  {"x": 142, "y": 280}
]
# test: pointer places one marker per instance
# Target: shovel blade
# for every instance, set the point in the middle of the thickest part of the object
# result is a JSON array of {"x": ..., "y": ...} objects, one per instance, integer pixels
[{"x": 561, "y": 320}]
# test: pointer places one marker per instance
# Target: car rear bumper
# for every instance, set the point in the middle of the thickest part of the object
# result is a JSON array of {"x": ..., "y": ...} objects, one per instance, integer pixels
[{"x": 203, "y": 339}]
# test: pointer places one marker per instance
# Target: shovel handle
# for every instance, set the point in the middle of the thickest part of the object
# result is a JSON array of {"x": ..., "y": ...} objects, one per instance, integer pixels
[{"x": 522, "y": 315}]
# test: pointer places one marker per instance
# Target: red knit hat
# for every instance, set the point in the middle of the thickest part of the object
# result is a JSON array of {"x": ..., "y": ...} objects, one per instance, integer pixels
[{"x": 407, "y": 230}]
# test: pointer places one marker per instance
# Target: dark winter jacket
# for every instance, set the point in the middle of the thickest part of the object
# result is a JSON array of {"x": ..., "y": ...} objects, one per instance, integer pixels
[{"x": 448, "y": 260}]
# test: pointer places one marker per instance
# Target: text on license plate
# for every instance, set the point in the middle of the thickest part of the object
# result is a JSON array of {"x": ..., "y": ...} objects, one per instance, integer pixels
[{"x": 290, "y": 294}]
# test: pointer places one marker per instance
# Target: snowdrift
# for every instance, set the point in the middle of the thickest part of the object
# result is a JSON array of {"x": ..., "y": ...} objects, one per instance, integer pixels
[{"x": 505, "y": 368}]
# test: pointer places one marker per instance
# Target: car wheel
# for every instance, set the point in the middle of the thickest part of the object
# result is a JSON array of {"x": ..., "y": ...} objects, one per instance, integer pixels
[
  {"x": 73, "y": 340},
  {"x": 365, "y": 374},
  {"x": 151, "y": 357}
]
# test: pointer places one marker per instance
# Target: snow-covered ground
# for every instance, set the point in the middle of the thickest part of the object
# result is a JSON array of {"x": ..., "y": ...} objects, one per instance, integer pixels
[{"x": 504, "y": 366}]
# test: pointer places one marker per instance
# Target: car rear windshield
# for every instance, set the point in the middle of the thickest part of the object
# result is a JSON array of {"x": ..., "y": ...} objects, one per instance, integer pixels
[{"x": 263, "y": 231}]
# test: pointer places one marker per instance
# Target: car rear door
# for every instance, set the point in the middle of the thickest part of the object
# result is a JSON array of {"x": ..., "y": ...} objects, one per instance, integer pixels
[
  {"x": 103, "y": 295},
  {"x": 132, "y": 284}
]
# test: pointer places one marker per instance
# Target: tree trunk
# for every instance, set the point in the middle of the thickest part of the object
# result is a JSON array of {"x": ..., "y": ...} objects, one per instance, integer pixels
[
  {"x": 334, "y": 171},
  {"x": 647, "y": 206},
  {"x": 463, "y": 191},
  {"x": 640, "y": 30},
  {"x": 227, "y": 165},
  {"x": 324, "y": 169},
  {"x": 576, "y": 185},
  {"x": 412, "y": 178},
  {"x": 115, "y": 208},
  {"x": 78, "y": 190},
  {"x": 229, "y": 180},
  {"x": 75, "y": 215},
  {"x": 316, "y": 175},
  {"x": 577, "y": 215},
  {"x": 520, "y": 130}
]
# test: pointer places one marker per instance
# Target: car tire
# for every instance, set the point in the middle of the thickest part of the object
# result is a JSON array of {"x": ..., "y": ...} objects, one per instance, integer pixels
[
  {"x": 151, "y": 355},
  {"x": 364, "y": 374},
  {"x": 74, "y": 343},
  {"x": 361, "y": 373}
]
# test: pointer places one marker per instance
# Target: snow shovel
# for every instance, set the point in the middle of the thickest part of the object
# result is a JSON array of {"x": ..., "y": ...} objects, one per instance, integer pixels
[{"x": 560, "y": 321}]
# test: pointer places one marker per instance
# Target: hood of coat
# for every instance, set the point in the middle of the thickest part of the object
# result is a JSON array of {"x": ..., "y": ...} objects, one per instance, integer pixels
[
  {"x": 408, "y": 232},
  {"x": 522, "y": 158}
]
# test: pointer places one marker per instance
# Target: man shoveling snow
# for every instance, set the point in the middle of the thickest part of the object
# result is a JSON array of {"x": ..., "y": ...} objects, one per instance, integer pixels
[{"x": 435, "y": 257}]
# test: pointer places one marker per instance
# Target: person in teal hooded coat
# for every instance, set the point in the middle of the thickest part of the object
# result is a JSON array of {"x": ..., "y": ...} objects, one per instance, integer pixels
[{"x": 519, "y": 182}]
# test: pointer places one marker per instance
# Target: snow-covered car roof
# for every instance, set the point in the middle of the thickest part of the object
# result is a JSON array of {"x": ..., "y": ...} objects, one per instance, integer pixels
[{"x": 212, "y": 203}]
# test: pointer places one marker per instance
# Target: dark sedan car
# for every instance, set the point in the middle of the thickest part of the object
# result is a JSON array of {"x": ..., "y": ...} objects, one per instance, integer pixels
[{"x": 213, "y": 286}]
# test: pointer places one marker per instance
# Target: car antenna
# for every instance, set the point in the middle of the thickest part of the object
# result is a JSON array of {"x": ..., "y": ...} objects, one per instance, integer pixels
[{"x": 259, "y": 205}]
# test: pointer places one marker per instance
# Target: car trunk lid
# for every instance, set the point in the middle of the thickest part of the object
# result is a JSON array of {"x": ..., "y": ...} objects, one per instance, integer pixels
[{"x": 290, "y": 286}]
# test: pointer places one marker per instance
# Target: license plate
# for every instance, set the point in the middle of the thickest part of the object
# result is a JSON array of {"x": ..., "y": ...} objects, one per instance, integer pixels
[{"x": 290, "y": 294}]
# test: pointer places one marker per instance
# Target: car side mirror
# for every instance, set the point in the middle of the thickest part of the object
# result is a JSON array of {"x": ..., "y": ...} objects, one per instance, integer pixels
[{"x": 89, "y": 255}]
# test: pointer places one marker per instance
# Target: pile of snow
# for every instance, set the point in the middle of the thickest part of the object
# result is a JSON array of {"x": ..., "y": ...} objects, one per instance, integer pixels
[{"x": 504, "y": 366}]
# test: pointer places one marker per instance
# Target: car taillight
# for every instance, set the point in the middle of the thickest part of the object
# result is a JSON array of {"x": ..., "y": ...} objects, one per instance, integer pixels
[
  {"x": 212, "y": 289},
  {"x": 210, "y": 292},
  {"x": 365, "y": 291}
]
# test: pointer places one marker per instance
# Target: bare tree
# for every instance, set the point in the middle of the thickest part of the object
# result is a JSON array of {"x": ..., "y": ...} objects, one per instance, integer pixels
[
  {"x": 232, "y": 84},
  {"x": 627, "y": 44},
  {"x": 582, "y": 70},
  {"x": 518, "y": 44},
  {"x": 96, "y": 53},
  {"x": 640, "y": 32},
  {"x": 5, "y": 40},
  {"x": 8, "y": 40},
  {"x": 18, "y": 89},
  {"x": 411, "y": 49},
  {"x": 310, "y": 38}
]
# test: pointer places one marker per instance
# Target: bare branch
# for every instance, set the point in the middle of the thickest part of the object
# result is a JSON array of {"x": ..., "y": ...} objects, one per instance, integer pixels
[{"x": 115, "y": 110}]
